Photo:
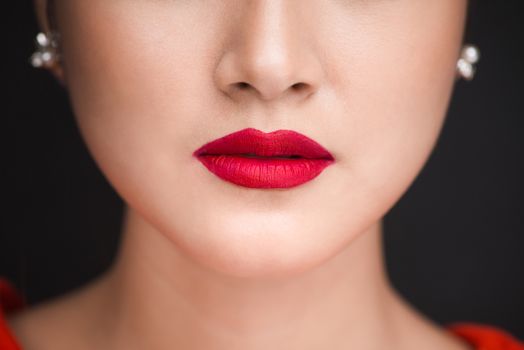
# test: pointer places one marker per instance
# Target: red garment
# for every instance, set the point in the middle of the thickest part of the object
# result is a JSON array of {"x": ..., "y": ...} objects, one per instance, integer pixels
[
  {"x": 10, "y": 301},
  {"x": 481, "y": 336}
]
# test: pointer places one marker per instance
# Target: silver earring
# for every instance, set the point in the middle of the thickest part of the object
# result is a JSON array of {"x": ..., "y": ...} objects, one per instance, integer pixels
[
  {"x": 46, "y": 54},
  {"x": 469, "y": 56}
]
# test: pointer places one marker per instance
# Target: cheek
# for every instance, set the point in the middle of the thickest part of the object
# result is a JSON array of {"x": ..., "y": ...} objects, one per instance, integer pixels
[
  {"x": 136, "y": 83},
  {"x": 395, "y": 83},
  {"x": 132, "y": 76}
]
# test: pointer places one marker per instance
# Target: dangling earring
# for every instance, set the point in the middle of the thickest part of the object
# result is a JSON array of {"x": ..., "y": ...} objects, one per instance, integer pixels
[
  {"x": 470, "y": 55},
  {"x": 46, "y": 54}
]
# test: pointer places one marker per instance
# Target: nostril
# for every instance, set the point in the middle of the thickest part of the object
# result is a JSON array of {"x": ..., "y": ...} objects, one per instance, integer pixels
[
  {"x": 298, "y": 86},
  {"x": 243, "y": 85}
]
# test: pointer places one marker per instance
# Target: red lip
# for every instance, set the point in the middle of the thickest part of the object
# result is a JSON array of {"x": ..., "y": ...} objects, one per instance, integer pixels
[{"x": 253, "y": 158}]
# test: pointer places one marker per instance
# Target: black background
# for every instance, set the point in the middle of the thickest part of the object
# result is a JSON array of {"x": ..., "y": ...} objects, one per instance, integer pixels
[{"x": 454, "y": 242}]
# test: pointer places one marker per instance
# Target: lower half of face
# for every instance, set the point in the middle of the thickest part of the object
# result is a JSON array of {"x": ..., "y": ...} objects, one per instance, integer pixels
[{"x": 152, "y": 81}]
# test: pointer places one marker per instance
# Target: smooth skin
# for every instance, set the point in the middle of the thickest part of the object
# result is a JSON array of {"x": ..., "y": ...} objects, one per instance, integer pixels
[{"x": 206, "y": 264}]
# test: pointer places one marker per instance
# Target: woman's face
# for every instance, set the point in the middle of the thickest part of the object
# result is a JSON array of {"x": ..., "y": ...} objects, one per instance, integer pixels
[{"x": 153, "y": 80}]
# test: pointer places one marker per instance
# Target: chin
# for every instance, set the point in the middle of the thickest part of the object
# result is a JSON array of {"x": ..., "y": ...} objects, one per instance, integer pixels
[{"x": 256, "y": 246}]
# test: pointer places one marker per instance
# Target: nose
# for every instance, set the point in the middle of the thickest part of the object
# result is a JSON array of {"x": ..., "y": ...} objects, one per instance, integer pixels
[{"x": 269, "y": 56}]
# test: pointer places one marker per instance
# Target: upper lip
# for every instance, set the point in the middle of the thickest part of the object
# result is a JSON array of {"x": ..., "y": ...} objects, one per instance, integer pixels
[{"x": 280, "y": 143}]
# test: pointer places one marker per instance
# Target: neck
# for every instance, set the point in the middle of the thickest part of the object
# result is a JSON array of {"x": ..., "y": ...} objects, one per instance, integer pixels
[{"x": 161, "y": 299}]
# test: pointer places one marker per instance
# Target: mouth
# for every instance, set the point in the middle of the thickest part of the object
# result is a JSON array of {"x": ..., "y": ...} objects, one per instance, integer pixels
[
  {"x": 254, "y": 159},
  {"x": 256, "y": 156}
]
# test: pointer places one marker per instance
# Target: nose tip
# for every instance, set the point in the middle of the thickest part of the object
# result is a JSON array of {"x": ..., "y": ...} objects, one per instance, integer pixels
[
  {"x": 270, "y": 57},
  {"x": 266, "y": 79}
]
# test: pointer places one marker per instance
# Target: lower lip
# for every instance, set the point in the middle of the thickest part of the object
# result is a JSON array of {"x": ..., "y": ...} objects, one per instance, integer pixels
[{"x": 264, "y": 172}]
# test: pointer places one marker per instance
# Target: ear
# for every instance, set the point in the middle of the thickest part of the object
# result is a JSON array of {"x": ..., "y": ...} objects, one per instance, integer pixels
[
  {"x": 45, "y": 16},
  {"x": 41, "y": 8}
]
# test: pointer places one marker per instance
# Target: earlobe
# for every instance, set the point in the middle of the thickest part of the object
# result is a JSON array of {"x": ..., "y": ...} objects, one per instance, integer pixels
[{"x": 58, "y": 72}]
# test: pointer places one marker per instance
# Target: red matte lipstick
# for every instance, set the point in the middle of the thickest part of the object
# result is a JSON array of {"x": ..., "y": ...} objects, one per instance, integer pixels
[{"x": 255, "y": 159}]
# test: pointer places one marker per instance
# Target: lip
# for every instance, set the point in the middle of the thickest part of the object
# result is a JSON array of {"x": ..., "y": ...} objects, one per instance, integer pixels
[{"x": 255, "y": 159}]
